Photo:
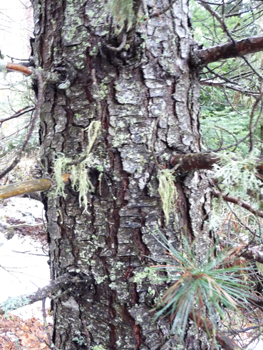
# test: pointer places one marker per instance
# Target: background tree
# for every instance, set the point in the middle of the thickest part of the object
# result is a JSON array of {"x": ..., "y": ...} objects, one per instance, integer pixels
[{"x": 120, "y": 114}]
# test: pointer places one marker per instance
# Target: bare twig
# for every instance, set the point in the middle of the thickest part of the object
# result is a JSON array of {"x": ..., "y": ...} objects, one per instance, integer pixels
[
  {"x": 7, "y": 226},
  {"x": 219, "y": 18},
  {"x": 231, "y": 86},
  {"x": 19, "y": 113},
  {"x": 249, "y": 253},
  {"x": 207, "y": 326},
  {"x": 44, "y": 315},
  {"x": 32, "y": 126},
  {"x": 239, "y": 202}
]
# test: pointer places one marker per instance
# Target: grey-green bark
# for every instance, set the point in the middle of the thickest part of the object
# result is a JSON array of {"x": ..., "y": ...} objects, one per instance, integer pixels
[{"x": 146, "y": 98}]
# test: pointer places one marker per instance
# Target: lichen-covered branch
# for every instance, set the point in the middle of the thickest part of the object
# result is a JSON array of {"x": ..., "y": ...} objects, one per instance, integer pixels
[{"x": 48, "y": 291}]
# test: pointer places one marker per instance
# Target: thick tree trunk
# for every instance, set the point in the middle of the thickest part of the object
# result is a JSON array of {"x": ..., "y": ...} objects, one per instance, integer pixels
[{"x": 146, "y": 98}]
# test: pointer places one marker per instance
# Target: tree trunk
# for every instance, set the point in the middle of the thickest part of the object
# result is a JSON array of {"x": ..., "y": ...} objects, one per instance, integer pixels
[{"x": 145, "y": 94}]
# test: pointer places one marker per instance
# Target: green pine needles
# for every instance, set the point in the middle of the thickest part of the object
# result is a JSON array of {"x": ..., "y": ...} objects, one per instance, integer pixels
[{"x": 208, "y": 285}]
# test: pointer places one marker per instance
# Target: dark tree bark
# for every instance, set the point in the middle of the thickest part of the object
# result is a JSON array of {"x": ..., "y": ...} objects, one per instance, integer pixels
[{"x": 146, "y": 97}]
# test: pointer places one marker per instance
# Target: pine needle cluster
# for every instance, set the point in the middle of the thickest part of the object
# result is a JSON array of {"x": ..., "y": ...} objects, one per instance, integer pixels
[{"x": 212, "y": 285}]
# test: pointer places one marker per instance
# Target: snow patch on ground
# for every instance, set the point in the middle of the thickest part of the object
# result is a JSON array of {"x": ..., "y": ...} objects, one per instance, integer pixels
[{"x": 23, "y": 263}]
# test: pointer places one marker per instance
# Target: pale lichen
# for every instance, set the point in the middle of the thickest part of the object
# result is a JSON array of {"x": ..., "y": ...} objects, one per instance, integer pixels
[
  {"x": 122, "y": 14},
  {"x": 79, "y": 173},
  {"x": 167, "y": 191}
]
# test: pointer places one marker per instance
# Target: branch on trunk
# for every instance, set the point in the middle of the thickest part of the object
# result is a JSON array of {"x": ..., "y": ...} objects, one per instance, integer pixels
[
  {"x": 19, "y": 68},
  {"x": 197, "y": 161},
  {"x": 230, "y": 50},
  {"x": 194, "y": 161},
  {"x": 207, "y": 326},
  {"x": 42, "y": 293},
  {"x": 27, "y": 187},
  {"x": 14, "y": 67},
  {"x": 52, "y": 77},
  {"x": 24, "y": 187}
]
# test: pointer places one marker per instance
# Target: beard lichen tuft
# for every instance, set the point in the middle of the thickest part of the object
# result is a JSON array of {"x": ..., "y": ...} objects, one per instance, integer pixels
[
  {"x": 81, "y": 182},
  {"x": 122, "y": 14},
  {"x": 79, "y": 173},
  {"x": 167, "y": 191},
  {"x": 59, "y": 170}
]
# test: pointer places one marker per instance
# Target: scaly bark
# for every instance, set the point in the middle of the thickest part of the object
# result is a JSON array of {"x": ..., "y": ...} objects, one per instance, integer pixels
[{"x": 146, "y": 98}]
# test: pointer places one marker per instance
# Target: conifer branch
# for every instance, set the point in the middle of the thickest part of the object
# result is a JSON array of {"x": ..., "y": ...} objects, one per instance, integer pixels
[{"x": 230, "y": 50}]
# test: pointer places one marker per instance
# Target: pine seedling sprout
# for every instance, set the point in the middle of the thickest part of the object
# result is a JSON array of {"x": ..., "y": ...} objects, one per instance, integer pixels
[{"x": 210, "y": 284}]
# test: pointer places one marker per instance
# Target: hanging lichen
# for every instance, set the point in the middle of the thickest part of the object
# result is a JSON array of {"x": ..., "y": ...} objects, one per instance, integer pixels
[
  {"x": 238, "y": 174},
  {"x": 92, "y": 131},
  {"x": 59, "y": 169},
  {"x": 81, "y": 181},
  {"x": 122, "y": 14},
  {"x": 79, "y": 173},
  {"x": 167, "y": 191}
]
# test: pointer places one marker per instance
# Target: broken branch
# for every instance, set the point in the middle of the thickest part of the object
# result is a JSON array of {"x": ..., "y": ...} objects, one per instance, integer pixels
[{"x": 28, "y": 186}]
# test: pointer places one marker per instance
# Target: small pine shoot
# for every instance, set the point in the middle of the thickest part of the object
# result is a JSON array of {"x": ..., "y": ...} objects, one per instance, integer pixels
[{"x": 213, "y": 284}]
